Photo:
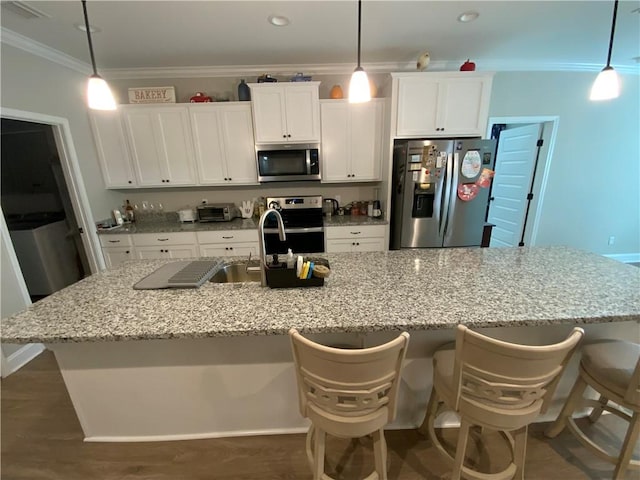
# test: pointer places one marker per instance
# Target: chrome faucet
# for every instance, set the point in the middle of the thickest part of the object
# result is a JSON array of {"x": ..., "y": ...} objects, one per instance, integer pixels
[{"x": 262, "y": 252}]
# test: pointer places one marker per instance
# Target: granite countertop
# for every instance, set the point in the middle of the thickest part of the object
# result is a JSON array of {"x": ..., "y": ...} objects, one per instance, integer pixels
[
  {"x": 172, "y": 225},
  {"x": 379, "y": 291}
]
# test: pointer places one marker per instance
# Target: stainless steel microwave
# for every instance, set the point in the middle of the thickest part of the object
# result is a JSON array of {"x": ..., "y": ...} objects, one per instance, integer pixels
[{"x": 288, "y": 162}]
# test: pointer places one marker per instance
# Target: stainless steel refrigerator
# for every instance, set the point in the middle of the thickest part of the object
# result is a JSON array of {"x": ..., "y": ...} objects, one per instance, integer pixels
[{"x": 437, "y": 199}]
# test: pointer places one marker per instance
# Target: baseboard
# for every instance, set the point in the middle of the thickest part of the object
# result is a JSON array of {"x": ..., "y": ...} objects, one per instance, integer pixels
[
  {"x": 21, "y": 357},
  {"x": 195, "y": 436},
  {"x": 625, "y": 257}
]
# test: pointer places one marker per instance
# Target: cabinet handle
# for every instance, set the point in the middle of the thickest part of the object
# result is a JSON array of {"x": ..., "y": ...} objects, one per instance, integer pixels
[
  {"x": 114, "y": 241},
  {"x": 289, "y": 135},
  {"x": 127, "y": 251},
  {"x": 284, "y": 136},
  {"x": 162, "y": 239},
  {"x": 225, "y": 179},
  {"x": 130, "y": 181},
  {"x": 228, "y": 237},
  {"x": 230, "y": 179},
  {"x": 167, "y": 181},
  {"x": 355, "y": 233}
]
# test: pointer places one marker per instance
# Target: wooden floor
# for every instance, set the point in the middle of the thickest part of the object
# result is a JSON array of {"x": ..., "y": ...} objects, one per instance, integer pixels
[{"x": 41, "y": 439}]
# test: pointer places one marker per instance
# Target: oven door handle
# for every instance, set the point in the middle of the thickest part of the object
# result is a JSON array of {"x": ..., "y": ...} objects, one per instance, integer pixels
[{"x": 296, "y": 230}]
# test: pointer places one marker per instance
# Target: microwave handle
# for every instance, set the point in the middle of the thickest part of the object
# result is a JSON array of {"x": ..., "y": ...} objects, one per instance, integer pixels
[{"x": 308, "y": 160}]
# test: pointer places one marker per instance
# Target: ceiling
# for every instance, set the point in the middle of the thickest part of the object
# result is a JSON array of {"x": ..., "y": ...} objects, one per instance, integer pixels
[{"x": 168, "y": 34}]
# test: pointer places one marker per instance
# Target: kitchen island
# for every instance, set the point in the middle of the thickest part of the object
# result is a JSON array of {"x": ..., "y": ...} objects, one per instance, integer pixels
[{"x": 216, "y": 361}]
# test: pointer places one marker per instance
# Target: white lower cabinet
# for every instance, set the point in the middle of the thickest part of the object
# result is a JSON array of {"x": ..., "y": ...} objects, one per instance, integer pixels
[
  {"x": 369, "y": 238},
  {"x": 165, "y": 245},
  {"x": 117, "y": 249},
  {"x": 228, "y": 243},
  {"x": 116, "y": 255}
]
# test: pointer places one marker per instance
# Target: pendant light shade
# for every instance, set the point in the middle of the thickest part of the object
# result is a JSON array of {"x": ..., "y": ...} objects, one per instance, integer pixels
[
  {"x": 607, "y": 85},
  {"x": 359, "y": 89},
  {"x": 99, "y": 96}
]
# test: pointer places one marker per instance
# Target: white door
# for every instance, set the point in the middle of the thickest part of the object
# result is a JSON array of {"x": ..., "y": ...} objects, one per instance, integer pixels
[
  {"x": 303, "y": 113},
  {"x": 515, "y": 160},
  {"x": 240, "y": 153},
  {"x": 336, "y": 165},
  {"x": 366, "y": 136},
  {"x": 207, "y": 139}
]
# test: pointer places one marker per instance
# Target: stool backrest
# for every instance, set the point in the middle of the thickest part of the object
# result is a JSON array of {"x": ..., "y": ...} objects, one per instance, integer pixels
[
  {"x": 348, "y": 382},
  {"x": 502, "y": 376}
]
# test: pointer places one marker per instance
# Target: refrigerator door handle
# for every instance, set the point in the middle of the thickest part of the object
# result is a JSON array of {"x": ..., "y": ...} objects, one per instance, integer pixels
[
  {"x": 446, "y": 186},
  {"x": 453, "y": 188}
]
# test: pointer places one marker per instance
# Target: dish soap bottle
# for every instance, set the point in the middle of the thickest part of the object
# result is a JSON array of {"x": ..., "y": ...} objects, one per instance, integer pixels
[{"x": 291, "y": 263}]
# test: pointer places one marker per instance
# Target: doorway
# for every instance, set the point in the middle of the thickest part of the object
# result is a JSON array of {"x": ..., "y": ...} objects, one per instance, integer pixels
[
  {"x": 38, "y": 211},
  {"x": 523, "y": 159}
]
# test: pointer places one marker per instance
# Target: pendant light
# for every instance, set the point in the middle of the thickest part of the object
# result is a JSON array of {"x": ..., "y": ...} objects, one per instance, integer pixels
[
  {"x": 607, "y": 85},
  {"x": 359, "y": 89},
  {"x": 99, "y": 94}
]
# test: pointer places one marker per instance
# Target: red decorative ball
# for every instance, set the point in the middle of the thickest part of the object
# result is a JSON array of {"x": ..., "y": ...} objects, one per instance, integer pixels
[{"x": 467, "y": 66}]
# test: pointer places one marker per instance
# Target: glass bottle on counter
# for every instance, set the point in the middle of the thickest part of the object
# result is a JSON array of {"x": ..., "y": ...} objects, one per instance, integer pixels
[{"x": 129, "y": 212}]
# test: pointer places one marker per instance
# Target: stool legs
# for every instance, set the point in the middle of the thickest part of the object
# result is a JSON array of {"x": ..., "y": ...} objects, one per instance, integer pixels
[
  {"x": 630, "y": 440},
  {"x": 520, "y": 451},
  {"x": 461, "y": 447},
  {"x": 380, "y": 454},
  {"x": 318, "y": 454},
  {"x": 570, "y": 405},
  {"x": 597, "y": 411}
]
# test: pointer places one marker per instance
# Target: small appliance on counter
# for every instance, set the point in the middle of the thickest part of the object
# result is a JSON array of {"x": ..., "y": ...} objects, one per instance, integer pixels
[
  {"x": 330, "y": 207},
  {"x": 186, "y": 215},
  {"x": 217, "y": 212}
]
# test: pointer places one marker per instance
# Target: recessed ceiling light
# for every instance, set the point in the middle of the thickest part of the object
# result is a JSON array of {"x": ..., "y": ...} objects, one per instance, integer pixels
[
  {"x": 278, "y": 20},
  {"x": 467, "y": 17},
  {"x": 82, "y": 28}
]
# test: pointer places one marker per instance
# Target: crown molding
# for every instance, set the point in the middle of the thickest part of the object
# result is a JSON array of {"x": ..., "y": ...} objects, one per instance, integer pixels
[
  {"x": 16, "y": 40},
  {"x": 9, "y": 37}
]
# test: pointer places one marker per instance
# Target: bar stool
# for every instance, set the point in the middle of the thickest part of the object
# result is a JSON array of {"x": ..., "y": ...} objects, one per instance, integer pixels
[
  {"x": 611, "y": 368},
  {"x": 347, "y": 393},
  {"x": 497, "y": 386}
]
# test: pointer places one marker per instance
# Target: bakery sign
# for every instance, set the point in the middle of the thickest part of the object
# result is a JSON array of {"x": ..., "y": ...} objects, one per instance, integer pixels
[{"x": 152, "y": 95}]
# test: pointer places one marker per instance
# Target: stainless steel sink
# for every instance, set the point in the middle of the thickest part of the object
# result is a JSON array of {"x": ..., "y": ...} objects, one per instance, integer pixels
[{"x": 237, "y": 273}]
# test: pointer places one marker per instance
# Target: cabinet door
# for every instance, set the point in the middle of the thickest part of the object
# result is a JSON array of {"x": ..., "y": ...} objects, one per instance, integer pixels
[
  {"x": 417, "y": 106},
  {"x": 269, "y": 114},
  {"x": 369, "y": 245},
  {"x": 231, "y": 250},
  {"x": 140, "y": 130},
  {"x": 366, "y": 140},
  {"x": 336, "y": 145},
  {"x": 116, "y": 255},
  {"x": 176, "y": 150},
  {"x": 151, "y": 253},
  {"x": 303, "y": 113},
  {"x": 160, "y": 140},
  {"x": 209, "y": 145},
  {"x": 111, "y": 146},
  {"x": 182, "y": 251},
  {"x": 239, "y": 149},
  {"x": 340, "y": 245},
  {"x": 465, "y": 106}
]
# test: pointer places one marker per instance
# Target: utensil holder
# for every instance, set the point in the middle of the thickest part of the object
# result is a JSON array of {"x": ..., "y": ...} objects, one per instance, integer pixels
[{"x": 280, "y": 276}]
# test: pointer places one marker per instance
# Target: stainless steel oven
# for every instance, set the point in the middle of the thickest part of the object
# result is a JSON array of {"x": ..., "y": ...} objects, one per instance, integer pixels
[
  {"x": 303, "y": 224},
  {"x": 288, "y": 162}
]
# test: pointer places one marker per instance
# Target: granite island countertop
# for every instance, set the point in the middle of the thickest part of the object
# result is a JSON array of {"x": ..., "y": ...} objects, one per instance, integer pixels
[
  {"x": 380, "y": 291},
  {"x": 172, "y": 225}
]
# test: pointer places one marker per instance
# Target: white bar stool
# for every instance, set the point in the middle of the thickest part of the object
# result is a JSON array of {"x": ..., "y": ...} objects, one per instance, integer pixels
[
  {"x": 348, "y": 393},
  {"x": 495, "y": 385},
  {"x": 611, "y": 368}
]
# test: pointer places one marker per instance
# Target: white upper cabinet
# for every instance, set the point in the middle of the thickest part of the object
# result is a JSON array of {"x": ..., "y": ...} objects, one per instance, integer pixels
[
  {"x": 288, "y": 112},
  {"x": 441, "y": 104},
  {"x": 223, "y": 141},
  {"x": 161, "y": 144},
  {"x": 111, "y": 146},
  {"x": 352, "y": 135}
]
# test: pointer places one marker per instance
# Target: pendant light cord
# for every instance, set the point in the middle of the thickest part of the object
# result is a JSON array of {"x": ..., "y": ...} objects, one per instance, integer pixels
[
  {"x": 86, "y": 23},
  {"x": 359, "y": 23},
  {"x": 613, "y": 29}
]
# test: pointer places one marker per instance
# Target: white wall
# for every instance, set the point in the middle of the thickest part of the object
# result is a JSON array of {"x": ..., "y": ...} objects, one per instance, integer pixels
[{"x": 594, "y": 183}]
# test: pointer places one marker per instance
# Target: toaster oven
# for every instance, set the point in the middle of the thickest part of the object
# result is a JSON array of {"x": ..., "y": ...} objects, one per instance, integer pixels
[{"x": 217, "y": 212}]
